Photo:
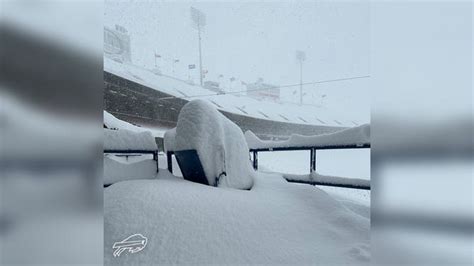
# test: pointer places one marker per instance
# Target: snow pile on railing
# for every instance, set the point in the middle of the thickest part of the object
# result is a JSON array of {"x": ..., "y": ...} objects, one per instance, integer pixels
[
  {"x": 352, "y": 136},
  {"x": 126, "y": 140},
  {"x": 318, "y": 179},
  {"x": 219, "y": 143}
]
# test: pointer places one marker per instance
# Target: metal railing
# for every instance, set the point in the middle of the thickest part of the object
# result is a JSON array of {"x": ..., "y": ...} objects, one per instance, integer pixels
[
  {"x": 312, "y": 149},
  {"x": 312, "y": 166}
]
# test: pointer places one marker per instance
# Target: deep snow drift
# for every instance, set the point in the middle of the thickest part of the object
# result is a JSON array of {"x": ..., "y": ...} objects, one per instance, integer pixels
[
  {"x": 220, "y": 145},
  {"x": 356, "y": 135},
  {"x": 275, "y": 222}
]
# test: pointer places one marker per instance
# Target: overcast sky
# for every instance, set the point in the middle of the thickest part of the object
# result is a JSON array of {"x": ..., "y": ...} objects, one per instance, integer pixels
[{"x": 251, "y": 40}]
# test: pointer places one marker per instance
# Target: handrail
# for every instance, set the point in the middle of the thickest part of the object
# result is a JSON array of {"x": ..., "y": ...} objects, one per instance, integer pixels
[
  {"x": 331, "y": 184},
  {"x": 321, "y": 147},
  {"x": 312, "y": 155}
]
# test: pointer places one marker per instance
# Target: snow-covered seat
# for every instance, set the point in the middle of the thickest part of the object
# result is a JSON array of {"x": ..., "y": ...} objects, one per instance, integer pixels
[{"x": 209, "y": 148}]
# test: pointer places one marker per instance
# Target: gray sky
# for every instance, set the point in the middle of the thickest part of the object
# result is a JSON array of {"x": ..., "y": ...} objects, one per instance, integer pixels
[{"x": 250, "y": 40}]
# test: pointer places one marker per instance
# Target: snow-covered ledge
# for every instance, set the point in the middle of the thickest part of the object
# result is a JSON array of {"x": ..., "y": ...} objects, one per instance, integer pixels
[
  {"x": 335, "y": 181},
  {"x": 357, "y": 136}
]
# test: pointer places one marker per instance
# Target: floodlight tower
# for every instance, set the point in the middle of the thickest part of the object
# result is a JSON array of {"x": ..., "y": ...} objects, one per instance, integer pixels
[
  {"x": 199, "y": 20},
  {"x": 301, "y": 56}
]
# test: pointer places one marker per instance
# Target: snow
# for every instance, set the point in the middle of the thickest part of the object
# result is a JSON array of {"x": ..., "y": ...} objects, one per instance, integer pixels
[
  {"x": 119, "y": 169},
  {"x": 275, "y": 222},
  {"x": 125, "y": 140},
  {"x": 219, "y": 142},
  {"x": 357, "y": 135},
  {"x": 326, "y": 179},
  {"x": 112, "y": 122}
]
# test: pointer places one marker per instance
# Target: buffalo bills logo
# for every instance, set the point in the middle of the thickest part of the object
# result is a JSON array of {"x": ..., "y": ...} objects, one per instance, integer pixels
[{"x": 132, "y": 244}]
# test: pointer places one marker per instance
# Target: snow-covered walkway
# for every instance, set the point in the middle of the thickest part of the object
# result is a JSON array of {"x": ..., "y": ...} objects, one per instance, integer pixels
[{"x": 275, "y": 222}]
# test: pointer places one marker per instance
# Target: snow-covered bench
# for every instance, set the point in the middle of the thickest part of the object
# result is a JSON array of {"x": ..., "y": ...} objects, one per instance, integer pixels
[
  {"x": 351, "y": 138},
  {"x": 209, "y": 148},
  {"x": 124, "y": 141}
]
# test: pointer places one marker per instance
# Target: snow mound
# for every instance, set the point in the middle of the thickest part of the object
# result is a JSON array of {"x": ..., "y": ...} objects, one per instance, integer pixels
[
  {"x": 357, "y": 135},
  {"x": 276, "y": 222},
  {"x": 126, "y": 140},
  {"x": 219, "y": 143},
  {"x": 116, "y": 170}
]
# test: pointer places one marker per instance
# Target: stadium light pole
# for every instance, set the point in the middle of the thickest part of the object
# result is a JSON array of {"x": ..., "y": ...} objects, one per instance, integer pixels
[
  {"x": 199, "y": 20},
  {"x": 301, "y": 56}
]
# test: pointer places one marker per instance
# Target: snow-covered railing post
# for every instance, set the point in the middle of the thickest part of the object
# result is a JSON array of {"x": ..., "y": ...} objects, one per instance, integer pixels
[
  {"x": 155, "y": 158},
  {"x": 169, "y": 160},
  {"x": 312, "y": 160},
  {"x": 255, "y": 160},
  {"x": 169, "y": 144}
]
